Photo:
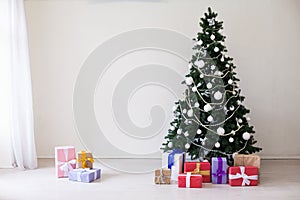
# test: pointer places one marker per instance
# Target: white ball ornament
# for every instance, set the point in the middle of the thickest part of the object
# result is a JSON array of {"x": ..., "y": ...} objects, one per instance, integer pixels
[
  {"x": 222, "y": 59},
  {"x": 209, "y": 85},
  {"x": 184, "y": 111},
  {"x": 179, "y": 131},
  {"x": 170, "y": 145},
  {"x": 200, "y": 63},
  {"x": 172, "y": 128},
  {"x": 194, "y": 89},
  {"x": 189, "y": 80},
  {"x": 210, "y": 118},
  {"x": 196, "y": 105},
  {"x": 187, "y": 145},
  {"x": 190, "y": 113},
  {"x": 246, "y": 136},
  {"x": 174, "y": 108},
  {"x": 211, "y": 22},
  {"x": 200, "y": 42},
  {"x": 207, "y": 108},
  {"x": 220, "y": 131},
  {"x": 231, "y": 139},
  {"x": 218, "y": 95},
  {"x": 231, "y": 108},
  {"x": 199, "y": 131},
  {"x": 230, "y": 81},
  {"x": 201, "y": 76},
  {"x": 227, "y": 65},
  {"x": 216, "y": 49},
  {"x": 217, "y": 145},
  {"x": 212, "y": 67},
  {"x": 186, "y": 134},
  {"x": 240, "y": 121},
  {"x": 234, "y": 92},
  {"x": 212, "y": 37}
]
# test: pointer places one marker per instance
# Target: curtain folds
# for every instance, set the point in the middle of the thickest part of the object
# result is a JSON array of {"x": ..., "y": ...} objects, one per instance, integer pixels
[{"x": 21, "y": 117}]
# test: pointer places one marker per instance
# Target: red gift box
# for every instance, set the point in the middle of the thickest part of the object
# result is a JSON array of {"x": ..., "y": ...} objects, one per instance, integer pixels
[
  {"x": 190, "y": 180},
  {"x": 202, "y": 168},
  {"x": 243, "y": 176}
]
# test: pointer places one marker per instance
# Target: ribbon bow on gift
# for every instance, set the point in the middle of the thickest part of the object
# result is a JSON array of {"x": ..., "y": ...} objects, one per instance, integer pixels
[
  {"x": 202, "y": 172},
  {"x": 84, "y": 160},
  {"x": 219, "y": 173},
  {"x": 67, "y": 166},
  {"x": 244, "y": 176}
]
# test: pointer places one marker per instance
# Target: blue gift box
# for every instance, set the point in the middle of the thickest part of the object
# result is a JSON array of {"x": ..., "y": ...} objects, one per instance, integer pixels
[
  {"x": 84, "y": 175},
  {"x": 219, "y": 170}
]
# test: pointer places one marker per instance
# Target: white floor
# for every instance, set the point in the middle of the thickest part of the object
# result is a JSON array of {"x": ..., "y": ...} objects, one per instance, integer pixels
[{"x": 280, "y": 179}]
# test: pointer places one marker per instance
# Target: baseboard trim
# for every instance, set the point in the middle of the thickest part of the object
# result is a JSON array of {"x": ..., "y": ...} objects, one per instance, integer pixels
[{"x": 262, "y": 157}]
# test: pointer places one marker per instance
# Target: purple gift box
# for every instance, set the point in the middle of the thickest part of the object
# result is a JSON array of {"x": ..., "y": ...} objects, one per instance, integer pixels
[
  {"x": 84, "y": 175},
  {"x": 219, "y": 170}
]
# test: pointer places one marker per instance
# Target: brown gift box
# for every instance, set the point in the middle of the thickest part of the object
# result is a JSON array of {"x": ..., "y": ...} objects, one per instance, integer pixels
[
  {"x": 85, "y": 160},
  {"x": 162, "y": 176},
  {"x": 247, "y": 160}
]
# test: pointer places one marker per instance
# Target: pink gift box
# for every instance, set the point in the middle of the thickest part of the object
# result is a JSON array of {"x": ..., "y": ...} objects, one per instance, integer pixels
[{"x": 65, "y": 160}]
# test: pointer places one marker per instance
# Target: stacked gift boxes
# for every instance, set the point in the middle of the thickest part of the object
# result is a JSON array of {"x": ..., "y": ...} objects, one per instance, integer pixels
[
  {"x": 193, "y": 174},
  {"x": 66, "y": 162}
]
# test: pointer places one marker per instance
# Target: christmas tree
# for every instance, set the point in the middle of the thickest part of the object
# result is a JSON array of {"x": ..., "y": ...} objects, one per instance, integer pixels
[{"x": 210, "y": 120}]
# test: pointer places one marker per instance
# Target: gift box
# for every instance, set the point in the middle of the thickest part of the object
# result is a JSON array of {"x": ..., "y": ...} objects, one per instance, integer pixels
[
  {"x": 247, "y": 160},
  {"x": 243, "y": 176},
  {"x": 190, "y": 180},
  {"x": 202, "y": 168},
  {"x": 174, "y": 158},
  {"x": 162, "y": 176},
  {"x": 84, "y": 175},
  {"x": 85, "y": 160},
  {"x": 65, "y": 160},
  {"x": 219, "y": 170}
]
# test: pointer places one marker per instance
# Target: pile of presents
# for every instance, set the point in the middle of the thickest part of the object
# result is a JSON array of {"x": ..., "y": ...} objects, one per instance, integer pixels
[
  {"x": 76, "y": 169},
  {"x": 188, "y": 174}
]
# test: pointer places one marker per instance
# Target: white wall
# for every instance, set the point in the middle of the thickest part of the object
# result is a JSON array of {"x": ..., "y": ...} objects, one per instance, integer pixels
[
  {"x": 6, "y": 152},
  {"x": 262, "y": 37}
]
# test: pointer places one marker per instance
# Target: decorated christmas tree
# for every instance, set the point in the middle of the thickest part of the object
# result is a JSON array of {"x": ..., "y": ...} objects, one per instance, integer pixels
[{"x": 210, "y": 120}]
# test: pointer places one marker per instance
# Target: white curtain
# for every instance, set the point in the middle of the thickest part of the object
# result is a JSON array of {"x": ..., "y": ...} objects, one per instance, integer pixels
[{"x": 19, "y": 94}]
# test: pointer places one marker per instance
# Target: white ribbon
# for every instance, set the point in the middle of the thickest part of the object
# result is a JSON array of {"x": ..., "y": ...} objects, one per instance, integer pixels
[
  {"x": 78, "y": 173},
  {"x": 78, "y": 178},
  {"x": 66, "y": 166},
  {"x": 174, "y": 173},
  {"x": 245, "y": 177},
  {"x": 66, "y": 152},
  {"x": 188, "y": 180}
]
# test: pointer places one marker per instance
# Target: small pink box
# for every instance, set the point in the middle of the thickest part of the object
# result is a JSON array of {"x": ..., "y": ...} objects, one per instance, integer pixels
[{"x": 65, "y": 160}]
